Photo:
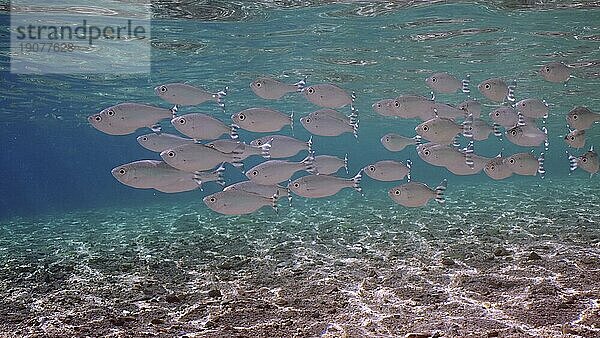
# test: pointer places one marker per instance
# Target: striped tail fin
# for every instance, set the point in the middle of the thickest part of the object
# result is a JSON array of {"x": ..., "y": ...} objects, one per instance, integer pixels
[
  {"x": 465, "y": 85},
  {"x": 219, "y": 96},
  {"x": 469, "y": 155},
  {"x": 409, "y": 166},
  {"x": 301, "y": 84},
  {"x": 573, "y": 163},
  {"x": 346, "y": 163},
  {"x": 511, "y": 92},
  {"x": 439, "y": 192},
  {"x": 233, "y": 132},
  {"x": 541, "y": 169},
  {"x": 356, "y": 181}
]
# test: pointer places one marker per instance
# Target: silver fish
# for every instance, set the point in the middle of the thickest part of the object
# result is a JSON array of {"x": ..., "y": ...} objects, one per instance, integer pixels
[
  {"x": 325, "y": 123},
  {"x": 446, "y": 110},
  {"x": 283, "y": 146},
  {"x": 276, "y": 171},
  {"x": 318, "y": 186},
  {"x": 203, "y": 127},
  {"x": 230, "y": 146},
  {"x": 575, "y": 138},
  {"x": 497, "y": 90},
  {"x": 198, "y": 157},
  {"x": 441, "y": 155},
  {"x": 394, "y": 142},
  {"x": 526, "y": 164},
  {"x": 262, "y": 120},
  {"x": 556, "y": 72},
  {"x": 588, "y": 162},
  {"x": 183, "y": 94},
  {"x": 271, "y": 89},
  {"x": 126, "y": 118},
  {"x": 388, "y": 171},
  {"x": 259, "y": 189},
  {"x": 471, "y": 107},
  {"x": 508, "y": 117},
  {"x": 197, "y": 180},
  {"x": 416, "y": 194},
  {"x": 497, "y": 168},
  {"x": 146, "y": 174},
  {"x": 582, "y": 118},
  {"x": 528, "y": 136},
  {"x": 405, "y": 106},
  {"x": 238, "y": 202},
  {"x": 533, "y": 108},
  {"x": 327, "y": 164},
  {"x": 482, "y": 130},
  {"x": 443, "y": 131},
  {"x": 446, "y": 83},
  {"x": 461, "y": 168},
  {"x": 327, "y": 95},
  {"x": 159, "y": 142}
]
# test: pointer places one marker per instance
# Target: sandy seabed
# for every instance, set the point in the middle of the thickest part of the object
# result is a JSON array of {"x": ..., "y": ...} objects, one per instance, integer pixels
[{"x": 507, "y": 264}]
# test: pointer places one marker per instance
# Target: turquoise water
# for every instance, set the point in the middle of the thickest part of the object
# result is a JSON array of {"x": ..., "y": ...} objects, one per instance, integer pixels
[{"x": 86, "y": 255}]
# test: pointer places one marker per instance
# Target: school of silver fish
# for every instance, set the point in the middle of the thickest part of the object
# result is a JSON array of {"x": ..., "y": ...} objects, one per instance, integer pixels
[{"x": 198, "y": 156}]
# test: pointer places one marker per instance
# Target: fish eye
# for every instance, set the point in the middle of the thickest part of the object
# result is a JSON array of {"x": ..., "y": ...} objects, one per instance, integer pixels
[
  {"x": 574, "y": 116},
  {"x": 547, "y": 69},
  {"x": 470, "y": 128},
  {"x": 492, "y": 167},
  {"x": 513, "y": 132},
  {"x": 144, "y": 138},
  {"x": 433, "y": 79},
  {"x": 111, "y": 112},
  {"x": 163, "y": 89},
  {"x": 487, "y": 86},
  {"x": 242, "y": 117},
  {"x": 122, "y": 171},
  {"x": 311, "y": 90},
  {"x": 254, "y": 173},
  {"x": 211, "y": 145},
  {"x": 258, "y": 84},
  {"x": 425, "y": 128},
  {"x": 396, "y": 192},
  {"x": 584, "y": 159},
  {"x": 572, "y": 138},
  {"x": 307, "y": 120},
  {"x": 296, "y": 185},
  {"x": 426, "y": 152},
  {"x": 171, "y": 154},
  {"x": 387, "y": 139},
  {"x": 372, "y": 167},
  {"x": 98, "y": 118},
  {"x": 379, "y": 105},
  {"x": 212, "y": 200},
  {"x": 259, "y": 142},
  {"x": 497, "y": 114},
  {"x": 182, "y": 121},
  {"x": 397, "y": 104},
  {"x": 511, "y": 161}
]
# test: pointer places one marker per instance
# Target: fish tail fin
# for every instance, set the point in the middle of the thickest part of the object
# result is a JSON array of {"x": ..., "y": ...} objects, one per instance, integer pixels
[
  {"x": 219, "y": 97},
  {"x": 309, "y": 164},
  {"x": 346, "y": 163},
  {"x": 469, "y": 155},
  {"x": 497, "y": 131},
  {"x": 573, "y": 163},
  {"x": 309, "y": 144},
  {"x": 354, "y": 125},
  {"x": 541, "y": 169},
  {"x": 521, "y": 120},
  {"x": 468, "y": 127},
  {"x": 156, "y": 128},
  {"x": 289, "y": 192},
  {"x": 274, "y": 200},
  {"x": 432, "y": 93},
  {"x": 197, "y": 179},
  {"x": 546, "y": 143},
  {"x": 353, "y": 114},
  {"x": 174, "y": 111},
  {"x": 409, "y": 166},
  {"x": 300, "y": 84},
  {"x": 356, "y": 181},
  {"x": 236, "y": 158},
  {"x": 353, "y": 97},
  {"x": 465, "y": 84},
  {"x": 418, "y": 139},
  {"x": 292, "y": 121},
  {"x": 233, "y": 131},
  {"x": 510, "y": 96},
  {"x": 439, "y": 192},
  {"x": 266, "y": 149},
  {"x": 456, "y": 142}
]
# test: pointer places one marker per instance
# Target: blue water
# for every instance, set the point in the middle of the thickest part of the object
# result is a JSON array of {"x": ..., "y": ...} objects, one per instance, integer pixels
[{"x": 61, "y": 209}]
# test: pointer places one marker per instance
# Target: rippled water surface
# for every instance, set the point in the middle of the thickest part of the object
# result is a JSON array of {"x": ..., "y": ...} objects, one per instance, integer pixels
[{"x": 86, "y": 256}]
